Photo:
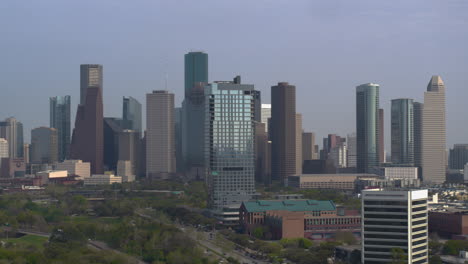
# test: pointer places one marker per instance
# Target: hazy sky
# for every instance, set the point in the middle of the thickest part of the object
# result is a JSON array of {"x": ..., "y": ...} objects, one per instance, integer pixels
[{"x": 325, "y": 48}]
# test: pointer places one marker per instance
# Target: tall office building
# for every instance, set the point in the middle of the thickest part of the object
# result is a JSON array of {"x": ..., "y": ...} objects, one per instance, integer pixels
[
  {"x": 26, "y": 153},
  {"x": 178, "y": 139},
  {"x": 12, "y": 130},
  {"x": 308, "y": 146},
  {"x": 433, "y": 139},
  {"x": 44, "y": 145},
  {"x": 129, "y": 149},
  {"x": 299, "y": 144},
  {"x": 458, "y": 156},
  {"x": 367, "y": 127},
  {"x": 266, "y": 114},
  {"x": 112, "y": 127},
  {"x": 402, "y": 132},
  {"x": 193, "y": 113},
  {"x": 381, "y": 136},
  {"x": 262, "y": 169},
  {"x": 338, "y": 155},
  {"x": 4, "y": 150},
  {"x": 60, "y": 120},
  {"x": 283, "y": 131},
  {"x": 417, "y": 118},
  {"x": 131, "y": 114},
  {"x": 230, "y": 143},
  {"x": 88, "y": 135},
  {"x": 160, "y": 143},
  {"x": 394, "y": 219},
  {"x": 352, "y": 150}
]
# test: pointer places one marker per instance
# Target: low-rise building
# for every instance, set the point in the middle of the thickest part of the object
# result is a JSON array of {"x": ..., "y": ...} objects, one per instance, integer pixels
[
  {"x": 317, "y": 220},
  {"x": 343, "y": 181},
  {"x": 449, "y": 223},
  {"x": 76, "y": 167},
  {"x": 49, "y": 174},
  {"x": 102, "y": 179},
  {"x": 393, "y": 172}
]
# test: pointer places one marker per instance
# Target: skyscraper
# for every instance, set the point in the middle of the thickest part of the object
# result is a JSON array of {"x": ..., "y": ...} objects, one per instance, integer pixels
[
  {"x": 308, "y": 146},
  {"x": 230, "y": 143},
  {"x": 112, "y": 127},
  {"x": 88, "y": 135},
  {"x": 60, "y": 120},
  {"x": 402, "y": 132},
  {"x": 417, "y": 111},
  {"x": 367, "y": 127},
  {"x": 283, "y": 126},
  {"x": 352, "y": 150},
  {"x": 4, "y": 150},
  {"x": 12, "y": 130},
  {"x": 394, "y": 219},
  {"x": 266, "y": 114},
  {"x": 160, "y": 143},
  {"x": 44, "y": 145},
  {"x": 433, "y": 140},
  {"x": 178, "y": 138},
  {"x": 298, "y": 143},
  {"x": 131, "y": 114},
  {"x": 129, "y": 148},
  {"x": 381, "y": 136},
  {"x": 458, "y": 156},
  {"x": 196, "y": 76}
]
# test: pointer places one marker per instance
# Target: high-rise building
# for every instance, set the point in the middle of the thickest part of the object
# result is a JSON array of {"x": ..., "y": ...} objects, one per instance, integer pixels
[
  {"x": 283, "y": 131},
  {"x": 417, "y": 118},
  {"x": 160, "y": 143},
  {"x": 308, "y": 146},
  {"x": 230, "y": 143},
  {"x": 352, "y": 151},
  {"x": 402, "y": 131},
  {"x": 298, "y": 143},
  {"x": 193, "y": 113},
  {"x": 394, "y": 219},
  {"x": 88, "y": 135},
  {"x": 266, "y": 114},
  {"x": 262, "y": 164},
  {"x": 178, "y": 139},
  {"x": 26, "y": 152},
  {"x": 76, "y": 167},
  {"x": 131, "y": 114},
  {"x": 44, "y": 145},
  {"x": 338, "y": 155},
  {"x": 367, "y": 126},
  {"x": 381, "y": 136},
  {"x": 458, "y": 156},
  {"x": 129, "y": 149},
  {"x": 433, "y": 140},
  {"x": 125, "y": 170},
  {"x": 12, "y": 130},
  {"x": 4, "y": 150},
  {"x": 60, "y": 120},
  {"x": 112, "y": 127}
]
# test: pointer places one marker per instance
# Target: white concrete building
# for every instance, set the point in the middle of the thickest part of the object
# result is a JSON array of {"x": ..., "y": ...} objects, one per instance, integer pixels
[
  {"x": 399, "y": 172},
  {"x": 339, "y": 155},
  {"x": 102, "y": 179},
  {"x": 394, "y": 219},
  {"x": 75, "y": 167},
  {"x": 266, "y": 114}
]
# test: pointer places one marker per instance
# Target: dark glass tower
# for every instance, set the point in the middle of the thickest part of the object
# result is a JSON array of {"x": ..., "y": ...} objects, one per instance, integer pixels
[
  {"x": 367, "y": 126},
  {"x": 88, "y": 135},
  {"x": 60, "y": 120},
  {"x": 402, "y": 129},
  {"x": 283, "y": 131},
  {"x": 193, "y": 116},
  {"x": 131, "y": 114}
]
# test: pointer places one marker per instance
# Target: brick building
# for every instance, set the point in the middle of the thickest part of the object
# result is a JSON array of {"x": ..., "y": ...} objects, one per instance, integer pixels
[
  {"x": 449, "y": 224},
  {"x": 317, "y": 220}
]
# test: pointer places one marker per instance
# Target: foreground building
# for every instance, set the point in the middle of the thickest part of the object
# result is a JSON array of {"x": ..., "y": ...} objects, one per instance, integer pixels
[
  {"x": 433, "y": 132},
  {"x": 230, "y": 143},
  {"x": 316, "y": 220},
  {"x": 394, "y": 219}
]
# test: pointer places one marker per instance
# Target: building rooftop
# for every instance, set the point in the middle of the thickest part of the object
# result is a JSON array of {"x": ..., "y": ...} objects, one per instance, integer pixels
[{"x": 289, "y": 205}]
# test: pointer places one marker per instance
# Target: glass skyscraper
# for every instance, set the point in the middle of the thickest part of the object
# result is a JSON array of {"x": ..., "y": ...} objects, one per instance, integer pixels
[
  {"x": 193, "y": 113},
  {"x": 131, "y": 114},
  {"x": 60, "y": 120},
  {"x": 367, "y": 127},
  {"x": 229, "y": 143},
  {"x": 402, "y": 132}
]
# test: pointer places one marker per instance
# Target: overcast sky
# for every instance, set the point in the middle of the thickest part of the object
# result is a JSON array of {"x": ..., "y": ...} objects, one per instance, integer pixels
[{"x": 326, "y": 48}]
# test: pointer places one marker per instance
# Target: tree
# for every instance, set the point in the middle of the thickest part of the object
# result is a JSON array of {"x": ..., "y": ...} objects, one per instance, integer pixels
[
  {"x": 258, "y": 232},
  {"x": 435, "y": 260},
  {"x": 346, "y": 237},
  {"x": 398, "y": 256}
]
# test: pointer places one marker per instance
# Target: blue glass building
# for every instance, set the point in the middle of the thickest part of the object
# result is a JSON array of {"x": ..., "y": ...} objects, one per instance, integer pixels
[{"x": 60, "y": 120}]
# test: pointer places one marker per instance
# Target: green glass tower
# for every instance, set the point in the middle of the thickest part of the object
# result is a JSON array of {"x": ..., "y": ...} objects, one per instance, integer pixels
[
  {"x": 193, "y": 113},
  {"x": 402, "y": 129},
  {"x": 367, "y": 126}
]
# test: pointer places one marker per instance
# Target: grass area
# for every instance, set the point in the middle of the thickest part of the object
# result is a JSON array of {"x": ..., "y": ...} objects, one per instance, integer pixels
[{"x": 27, "y": 241}]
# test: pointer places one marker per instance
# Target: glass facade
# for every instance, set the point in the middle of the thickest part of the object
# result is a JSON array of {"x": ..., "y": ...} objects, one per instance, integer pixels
[
  {"x": 60, "y": 120},
  {"x": 229, "y": 143},
  {"x": 367, "y": 126},
  {"x": 131, "y": 114},
  {"x": 402, "y": 129}
]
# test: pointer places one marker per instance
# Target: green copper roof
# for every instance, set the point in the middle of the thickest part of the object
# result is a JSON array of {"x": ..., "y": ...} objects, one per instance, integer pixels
[{"x": 289, "y": 205}]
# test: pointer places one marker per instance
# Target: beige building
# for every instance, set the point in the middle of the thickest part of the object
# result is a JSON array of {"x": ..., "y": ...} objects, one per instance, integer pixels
[
  {"x": 75, "y": 167},
  {"x": 4, "y": 148},
  {"x": 102, "y": 179},
  {"x": 343, "y": 181},
  {"x": 46, "y": 175},
  {"x": 160, "y": 138},
  {"x": 433, "y": 132},
  {"x": 308, "y": 146},
  {"x": 125, "y": 170}
]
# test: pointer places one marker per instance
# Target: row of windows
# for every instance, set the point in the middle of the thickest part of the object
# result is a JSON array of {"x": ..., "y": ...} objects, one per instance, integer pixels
[
  {"x": 385, "y": 210},
  {"x": 380, "y": 229},
  {"x": 419, "y": 242},
  {"x": 386, "y": 236},
  {"x": 385, "y": 223},
  {"x": 333, "y": 221},
  {"x": 399, "y": 203},
  {"x": 385, "y": 243},
  {"x": 385, "y": 216}
]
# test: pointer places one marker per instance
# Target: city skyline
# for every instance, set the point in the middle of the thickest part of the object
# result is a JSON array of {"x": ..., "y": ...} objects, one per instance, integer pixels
[{"x": 330, "y": 74}]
